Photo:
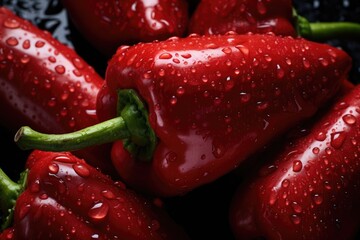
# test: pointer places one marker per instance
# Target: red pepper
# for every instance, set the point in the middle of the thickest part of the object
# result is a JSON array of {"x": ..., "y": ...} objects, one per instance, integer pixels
[
  {"x": 65, "y": 198},
  {"x": 242, "y": 16},
  {"x": 213, "y": 101},
  {"x": 313, "y": 190},
  {"x": 277, "y": 16},
  {"x": 45, "y": 84},
  {"x": 107, "y": 24}
]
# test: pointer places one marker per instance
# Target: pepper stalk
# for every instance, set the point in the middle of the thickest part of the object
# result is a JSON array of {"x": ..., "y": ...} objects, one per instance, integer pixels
[
  {"x": 322, "y": 31},
  {"x": 9, "y": 192},
  {"x": 131, "y": 125}
]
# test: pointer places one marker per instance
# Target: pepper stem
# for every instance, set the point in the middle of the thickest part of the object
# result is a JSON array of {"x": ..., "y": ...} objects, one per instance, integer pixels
[
  {"x": 322, "y": 31},
  {"x": 9, "y": 192},
  {"x": 104, "y": 132},
  {"x": 131, "y": 126}
]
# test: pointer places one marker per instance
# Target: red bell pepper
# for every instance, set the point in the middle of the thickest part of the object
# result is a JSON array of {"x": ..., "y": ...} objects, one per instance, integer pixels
[
  {"x": 107, "y": 24},
  {"x": 212, "y": 101},
  {"x": 65, "y": 198},
  {"x": 262, "y": 16},
  {"x": 45, "y": 84},
  {"x": 310, "y": 189}
]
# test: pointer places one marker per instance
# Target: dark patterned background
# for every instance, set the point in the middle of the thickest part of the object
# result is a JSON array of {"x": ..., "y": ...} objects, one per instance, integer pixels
[{"x": 203, "y": 212}]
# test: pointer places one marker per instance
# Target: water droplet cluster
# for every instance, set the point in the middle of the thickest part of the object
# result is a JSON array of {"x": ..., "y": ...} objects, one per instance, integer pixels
[
  {"x": 204, "y": 89},
  {"x": 43, "y": 80},
  {"x": 66, "y": 194}
]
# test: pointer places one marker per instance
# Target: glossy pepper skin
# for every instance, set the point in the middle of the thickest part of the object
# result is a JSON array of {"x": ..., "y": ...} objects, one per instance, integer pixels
[
  {"x": 107, "y": 24},
  {"x": 243, "y": 16},
  {"x": 263, "y": 16},
  {"x": 313, "y": 190},
  {"x": 215, "y": 100},
  {"x": 45, "y": 84},
  {"x": 65, "y": 198}
]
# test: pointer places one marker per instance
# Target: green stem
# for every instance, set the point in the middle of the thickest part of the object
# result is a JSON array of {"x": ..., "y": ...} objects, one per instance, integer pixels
[
  {"x": 334, "y": 30},
  {"x": 322, "y": 31},
  {"x": 132, "y": 126},
  {"x": 104, "y": 132},
  {"x": 9, "y": 192}
]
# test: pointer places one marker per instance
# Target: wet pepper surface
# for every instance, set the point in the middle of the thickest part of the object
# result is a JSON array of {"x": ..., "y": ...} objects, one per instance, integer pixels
[{"x": 50, "y": 15}]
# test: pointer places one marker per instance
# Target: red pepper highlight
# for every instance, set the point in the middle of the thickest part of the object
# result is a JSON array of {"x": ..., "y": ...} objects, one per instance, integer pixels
[
  {"x": 313, "y": 190},
  {"x": 211, "y": 102},
  {"x": 65, "y": 198},
  {"x": 45, "y": 84},
  {"x": 108, "y": 24}
]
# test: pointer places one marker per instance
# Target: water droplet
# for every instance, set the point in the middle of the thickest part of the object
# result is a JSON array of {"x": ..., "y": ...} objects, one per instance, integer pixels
[
  {"x": 327, "y": 185},
  {"x": 60, "y": 69},
  {"x": 51, "y": 102},
  {"x": 165, "y": 56},
  {"x": 245, "y": 97},
  {"x": 161, "y": 72},
  {"x": 285, "y": 183},
  {"x": 217, "y": 101},
  {"x": 324, "y": 62},
  {"x": 321, "y": 136},
  {"x": 78, "y": 63},
  {"x": 186, "y": 55},
  {"x": 228, "y": 62},
  {"x": 39, "y": 44},
  {"x": 180, "y": 91},
  {"x": 25, "y": 59},
  {"x": 53, "y": 168},
  {"x": 35, "y": 186},
  {"x": 43, "y": 196},
  {"x": 297, "y": 166},
  {"x": 229, "y": 84},
  {"x": 204, "y": 79},
  {"x": 267, "y": 58},
  {"x": 227, "y": 50},
  {"x": 95, "y": 236},
  {"x": 11, "y": 23},
  {"x": 244, "y": 50},
  {"x": 316, "y": 150},
  {"x": 81, "y": 170},
  {"x": 99, "y": 211},
  {"x": 262, "y": 105},
  {"x": 295, "y": 219},
  {"x": 12, "y": 41},
  {"x": 108, "y": 194},
  {"x": 349, "y": 119},
  {"x": 306, "y": 63},
  {"x": 211, "y": 46},
  {"x": 317, "y": 199},
  {"x": 280, "y": 72},
  {"x": 147, "y": 75},
  {"x": 337, "y": 139},
  {"x": 296, "y": 207},
  {"x": 173, "y": 100},
  {"x": 273, "y": 197},
  {"x": 26, "y": 44},
  {"x": 288, "y": 61},
  {"x": 63, "y": 159}
]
